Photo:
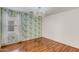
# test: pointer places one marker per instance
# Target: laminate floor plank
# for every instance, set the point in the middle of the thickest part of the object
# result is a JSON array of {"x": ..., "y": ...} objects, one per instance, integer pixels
[{"x": 40, "y": 45}]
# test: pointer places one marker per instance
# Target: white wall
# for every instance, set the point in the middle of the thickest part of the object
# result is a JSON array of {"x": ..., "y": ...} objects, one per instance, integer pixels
[{"x": 63, "y": 27}]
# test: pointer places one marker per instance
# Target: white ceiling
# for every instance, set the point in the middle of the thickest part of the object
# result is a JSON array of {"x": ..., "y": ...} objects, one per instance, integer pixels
[
  {"x": 46, "y": 10},
  {"x": 55, "y": 10}
]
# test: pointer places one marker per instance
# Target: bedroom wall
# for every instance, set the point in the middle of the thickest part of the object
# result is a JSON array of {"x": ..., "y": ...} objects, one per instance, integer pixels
[
  {"x": 19, "y": 26},
  {"x": 63, "y": 27},
  {"x": 31, "y": 26}
]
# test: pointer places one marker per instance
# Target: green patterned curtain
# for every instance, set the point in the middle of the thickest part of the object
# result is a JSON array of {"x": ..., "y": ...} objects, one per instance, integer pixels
[
  {"x": 0, "y": 25},
  {"x": 10, "y": 26},
  {"x": 31, "y": 26},
  {"x": 12, "y": 15}
]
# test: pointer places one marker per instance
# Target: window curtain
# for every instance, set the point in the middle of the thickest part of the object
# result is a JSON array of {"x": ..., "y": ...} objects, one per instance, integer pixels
[
  {"x": 26, "y": 26},
  {"x": 10, "y": 26},
  {"x": 0, "y": 27}
]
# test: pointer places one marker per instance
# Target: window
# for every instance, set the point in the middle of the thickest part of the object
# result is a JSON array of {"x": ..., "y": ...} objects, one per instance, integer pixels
[{"x": 10, "y": 25}]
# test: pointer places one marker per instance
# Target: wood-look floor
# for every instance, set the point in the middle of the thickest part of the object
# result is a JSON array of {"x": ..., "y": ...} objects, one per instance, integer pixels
[{"x": 40, "y": 45}]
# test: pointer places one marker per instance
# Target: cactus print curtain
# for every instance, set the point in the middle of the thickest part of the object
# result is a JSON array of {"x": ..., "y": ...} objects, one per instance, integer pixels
[
  {"x": 10, "y": 26},
  {"x": 0, "y": 26}
]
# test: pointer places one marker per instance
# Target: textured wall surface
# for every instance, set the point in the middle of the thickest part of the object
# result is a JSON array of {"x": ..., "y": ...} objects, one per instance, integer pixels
[{"x": 31, "y": 26}]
